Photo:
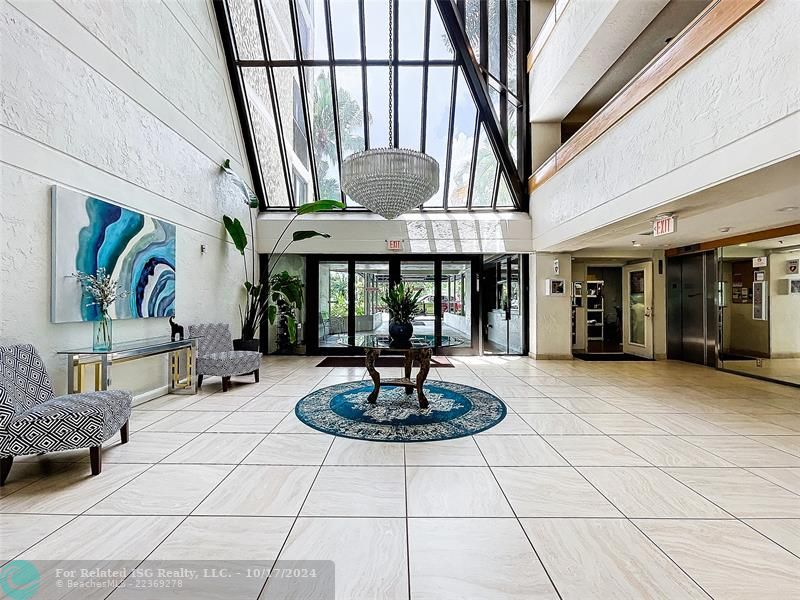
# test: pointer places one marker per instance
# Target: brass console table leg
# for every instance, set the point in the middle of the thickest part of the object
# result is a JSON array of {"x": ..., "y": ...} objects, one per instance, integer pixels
[{"x": 371, "y": 356}]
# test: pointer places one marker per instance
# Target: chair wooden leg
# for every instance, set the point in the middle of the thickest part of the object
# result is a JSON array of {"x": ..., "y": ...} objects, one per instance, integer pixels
[
  {"x": 226, "y": 381},
  {"x": 255, "y": 375},
  {"x": 97, "y": 461},
  {"x": 123, "y": 433},
  {"x": 5, "y": 467},
  {"x": 199, "y": 382}
]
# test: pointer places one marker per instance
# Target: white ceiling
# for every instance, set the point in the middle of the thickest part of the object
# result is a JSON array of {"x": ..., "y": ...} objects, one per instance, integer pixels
[{"x": 746, "y": 204}]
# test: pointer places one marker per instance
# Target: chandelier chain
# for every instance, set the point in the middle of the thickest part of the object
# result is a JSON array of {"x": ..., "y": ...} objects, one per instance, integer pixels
[{"x": 391, "y": 73}]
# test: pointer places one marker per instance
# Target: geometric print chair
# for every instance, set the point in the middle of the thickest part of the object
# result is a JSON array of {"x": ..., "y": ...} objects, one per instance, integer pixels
[
  {"x": 34, "y": 421},
  {"x": 216, "y": 356}
]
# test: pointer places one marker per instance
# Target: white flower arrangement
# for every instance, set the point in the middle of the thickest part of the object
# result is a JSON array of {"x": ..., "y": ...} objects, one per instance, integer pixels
[{"x": 102, "y": 288}]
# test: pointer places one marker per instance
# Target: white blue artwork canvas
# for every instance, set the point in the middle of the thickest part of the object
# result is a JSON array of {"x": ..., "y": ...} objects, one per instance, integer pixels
[{"x": 137, "y": 250}]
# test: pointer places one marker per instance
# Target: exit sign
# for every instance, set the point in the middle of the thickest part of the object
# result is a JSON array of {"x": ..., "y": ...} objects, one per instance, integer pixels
[
  {"x": 664, "y": 225},
  {"x": 394, "y": 244}
]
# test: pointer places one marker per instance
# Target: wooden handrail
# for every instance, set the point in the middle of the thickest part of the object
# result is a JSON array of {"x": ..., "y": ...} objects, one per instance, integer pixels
[{"x": 703, "y": 31}]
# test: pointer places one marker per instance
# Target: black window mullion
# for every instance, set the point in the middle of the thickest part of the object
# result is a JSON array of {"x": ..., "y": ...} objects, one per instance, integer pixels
[
  {"x": 364, "y": 95},
  {"x": 351, "y": 301},
  {"x": 301, "y": 78},
  {"x": 473, "y": 165},
  {"x": 483, "y": 34},
  {"x": 334, "y": 97},
  {"x": 437, "y": 299},
  {"x": 496, "y": 187},
  {"x": 504, "y": 69},
  {"x": 276, "y": 112},
  {"x": 426, "y": 55},
  {"x": 446, "y": 183}
]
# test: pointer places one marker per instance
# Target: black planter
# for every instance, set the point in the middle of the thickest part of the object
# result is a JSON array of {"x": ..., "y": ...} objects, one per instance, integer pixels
[
  {"x": 401, "y": 332},
  {"x": 250, "y": 345}
]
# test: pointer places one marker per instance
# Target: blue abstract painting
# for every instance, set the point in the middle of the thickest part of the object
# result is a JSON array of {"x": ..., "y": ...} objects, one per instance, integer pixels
[{"x": 137, "y": 250}]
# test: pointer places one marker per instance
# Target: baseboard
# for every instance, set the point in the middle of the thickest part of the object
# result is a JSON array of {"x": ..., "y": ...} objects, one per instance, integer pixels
[
  {"x": 150, "y": 395},
  {"x": 550, "y": 356},
  {"x": 660, "y": 356}
]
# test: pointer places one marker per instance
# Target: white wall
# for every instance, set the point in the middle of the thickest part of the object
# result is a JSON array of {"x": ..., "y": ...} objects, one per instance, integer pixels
[
  {"x": 129, "y": 101},
  {"x": 733, "y": 109},
  {"x": 550, "y": 324},
  {"x": 784, "y": 309}
]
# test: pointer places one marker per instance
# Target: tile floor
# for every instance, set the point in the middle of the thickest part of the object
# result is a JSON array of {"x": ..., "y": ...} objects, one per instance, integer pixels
[{"x": 606, "y": 480}]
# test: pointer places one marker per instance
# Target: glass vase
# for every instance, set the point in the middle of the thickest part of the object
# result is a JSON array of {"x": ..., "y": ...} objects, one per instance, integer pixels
[{"x": 102, "y": 333}]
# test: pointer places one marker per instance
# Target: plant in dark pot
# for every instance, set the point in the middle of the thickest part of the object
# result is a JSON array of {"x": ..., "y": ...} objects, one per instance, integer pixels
[
  {"x": 286, "y": 298},
  {"x": 403, "y": 304},
  {"x": 262, "y": 302}
]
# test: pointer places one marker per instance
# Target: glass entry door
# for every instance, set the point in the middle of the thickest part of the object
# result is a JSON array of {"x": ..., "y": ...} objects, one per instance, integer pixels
[
  {"x": 348, "y": 297},
  {"x": 503, "y": 306}
]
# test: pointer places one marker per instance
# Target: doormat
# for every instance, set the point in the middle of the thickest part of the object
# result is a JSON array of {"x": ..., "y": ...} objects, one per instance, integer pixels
[
  {"x": 606, "y": 356},
  {"x": 437, "y": 362}
]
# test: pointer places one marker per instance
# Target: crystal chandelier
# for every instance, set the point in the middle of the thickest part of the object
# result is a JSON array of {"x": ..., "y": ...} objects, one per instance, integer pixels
[{"x": 390, "y": 181}]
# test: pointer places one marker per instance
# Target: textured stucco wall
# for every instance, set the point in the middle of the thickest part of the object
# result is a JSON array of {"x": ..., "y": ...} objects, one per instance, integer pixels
[
  {"x": 550, "y": 316},
  {"x": 128, "y": 101},
  {"x": 731, "y": 110}
]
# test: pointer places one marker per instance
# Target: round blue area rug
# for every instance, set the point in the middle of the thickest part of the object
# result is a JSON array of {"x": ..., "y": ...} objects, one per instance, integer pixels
[{"x": 454, "y": 411}]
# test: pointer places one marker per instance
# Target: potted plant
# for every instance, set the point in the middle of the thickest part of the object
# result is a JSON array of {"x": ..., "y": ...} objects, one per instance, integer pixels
[
  {"x": 402, "y": 304},
  {"x": 286, "y": 297},
  {"x": 259, "y": 303}
]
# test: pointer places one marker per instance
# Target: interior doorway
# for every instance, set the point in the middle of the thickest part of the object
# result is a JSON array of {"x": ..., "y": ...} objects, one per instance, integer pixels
[{"x": 603, "y": 290}]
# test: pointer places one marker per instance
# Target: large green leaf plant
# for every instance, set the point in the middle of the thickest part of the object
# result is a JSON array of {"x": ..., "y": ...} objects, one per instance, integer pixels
[{"x": 264, "y": 297}]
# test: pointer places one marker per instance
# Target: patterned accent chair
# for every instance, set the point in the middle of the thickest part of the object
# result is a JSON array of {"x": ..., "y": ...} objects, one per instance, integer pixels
[
  {"x": 34, "y": 421},
  {"x": 216, "y": 356}
]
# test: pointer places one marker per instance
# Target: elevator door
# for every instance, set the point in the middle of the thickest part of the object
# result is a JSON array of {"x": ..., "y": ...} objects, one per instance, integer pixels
[
  {"x": 693, "y": 331},
  {"x": 691, "y": 313}
]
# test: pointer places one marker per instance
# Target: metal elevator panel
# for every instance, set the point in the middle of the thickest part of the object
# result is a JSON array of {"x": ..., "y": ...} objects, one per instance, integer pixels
[
  {"x": 693, "y": 336},
  {"x": 691, "y": 310}
]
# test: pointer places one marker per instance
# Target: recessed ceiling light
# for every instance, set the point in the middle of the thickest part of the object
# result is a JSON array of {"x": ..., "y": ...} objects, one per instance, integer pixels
[
  {"x": 725, "y": 229},
  {"x": 635, "y": 243},
  {"x": 787, "y": 209},
  {"x": 745, "y": 244}
]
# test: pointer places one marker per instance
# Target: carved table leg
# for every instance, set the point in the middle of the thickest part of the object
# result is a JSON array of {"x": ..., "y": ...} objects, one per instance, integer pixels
[
  {"x": 424, "y": 357},
  {"x": 372, "y": 356},
  {"x": 408, "y": 363}
]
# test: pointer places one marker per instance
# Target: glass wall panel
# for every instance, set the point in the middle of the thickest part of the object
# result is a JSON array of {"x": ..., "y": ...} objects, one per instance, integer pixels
[
  {"x": 351, "y": 109},
  {"x": 636, "y": 308},
  {"x": 493, "y": 10},
  {"x": 313, "y": 31},
  {"x": 372, "y": 284},
  {"x": 511, "y": 72},
  {"x": 456, "y": 300},
  {"x": 290, "y": 106},
  {"x": 463, "y": 140},
  {"x": 279, "y": 30},
  {"x": 485, "y": 173},
  {"x": 411, "y": 32},
  {"x": 259, "y": 103},
  {"x": 376, "y": 28},
  {"x": 473, "y": 24},
  {"x": 440, "y": 46},
  {"x": 323, "y": 131},
  {"x": 409, "y": 106},
  {"x": 420, "y": 275},
  {"x": 758, "y": 298},
  {"x": 440, "y": 83},
  {"x": 245, "y": 29},
  {"x": 346, "y": 29},
  {"x": 378, "y": 102},
  {"x": 333, "y": 303}
]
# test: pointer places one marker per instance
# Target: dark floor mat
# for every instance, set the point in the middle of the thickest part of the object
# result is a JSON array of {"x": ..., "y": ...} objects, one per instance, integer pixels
[
  {"x": 606, "y": 356},
  {"x": 437, "y": 362}
]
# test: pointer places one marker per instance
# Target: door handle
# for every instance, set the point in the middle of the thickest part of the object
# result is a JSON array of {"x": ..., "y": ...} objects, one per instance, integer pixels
[{"x": 648, "y": 312}]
